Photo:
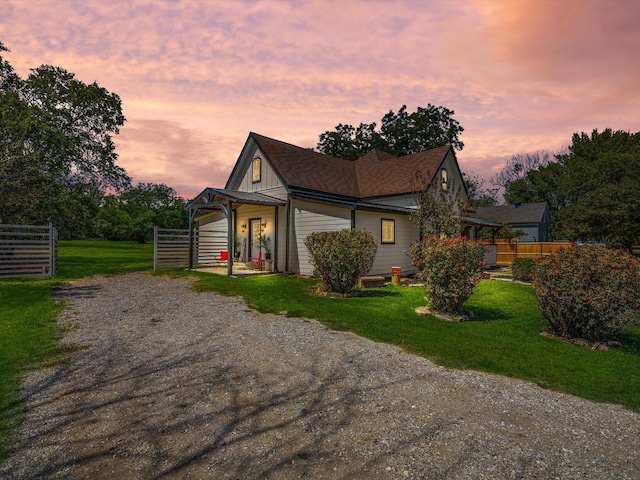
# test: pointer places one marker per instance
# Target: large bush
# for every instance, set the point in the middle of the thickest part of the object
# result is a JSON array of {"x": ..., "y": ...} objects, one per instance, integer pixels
[
  {"x": 588, "y": 292},
  {"x": 522, "y": 268},
  {"x": 449, "y": 269},
  {"x": 341, "y": 258}
]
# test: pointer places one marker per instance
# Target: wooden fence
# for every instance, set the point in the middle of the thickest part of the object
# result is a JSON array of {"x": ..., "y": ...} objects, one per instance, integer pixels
[
  {"x": 28, "y": 251},
  {"x": 508, "y": 251}
]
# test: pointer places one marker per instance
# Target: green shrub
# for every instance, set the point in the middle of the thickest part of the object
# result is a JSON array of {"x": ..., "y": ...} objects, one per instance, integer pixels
[
  {"x": 341, "y": 257},
  {"x": 449, "y": 269},
  {"x": 522, "y": 268},
  {"x": 588, "y": 292}
]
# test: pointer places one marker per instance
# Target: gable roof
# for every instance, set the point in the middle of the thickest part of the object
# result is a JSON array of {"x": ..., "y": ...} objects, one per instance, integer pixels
[
  {"x": 514, "y": 214},
  {"x": 376, "y": 174}
]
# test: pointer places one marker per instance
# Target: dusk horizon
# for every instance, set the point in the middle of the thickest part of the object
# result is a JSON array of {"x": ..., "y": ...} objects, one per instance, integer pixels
[{"x": 196, "y": 77}]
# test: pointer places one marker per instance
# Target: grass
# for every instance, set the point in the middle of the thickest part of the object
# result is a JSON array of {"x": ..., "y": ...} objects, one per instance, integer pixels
[
  {"x": 505, "y": 338},
  {"x": 29, "y": 332}
]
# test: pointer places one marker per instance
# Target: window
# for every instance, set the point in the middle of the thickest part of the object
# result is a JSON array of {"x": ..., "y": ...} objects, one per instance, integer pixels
[
  {"x": 256, "y": 168},
  {"x": 444, "y": 180},
  {"x": 388, "y": 230}
]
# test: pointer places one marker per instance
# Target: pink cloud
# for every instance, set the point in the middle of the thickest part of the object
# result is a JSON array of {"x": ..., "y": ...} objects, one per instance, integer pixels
[{"x": 196, "y": 77}]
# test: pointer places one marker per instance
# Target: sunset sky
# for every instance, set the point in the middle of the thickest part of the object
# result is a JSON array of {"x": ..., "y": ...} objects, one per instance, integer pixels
[{"x": 195, "y": 77}]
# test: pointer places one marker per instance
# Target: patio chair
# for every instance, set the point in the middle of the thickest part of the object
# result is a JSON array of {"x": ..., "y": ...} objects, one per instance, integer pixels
[
  {"x": 223, "y": 257},
  {"x": 256, "y": 263}
]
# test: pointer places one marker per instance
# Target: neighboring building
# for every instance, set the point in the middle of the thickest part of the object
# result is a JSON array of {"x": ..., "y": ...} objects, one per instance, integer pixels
[
  {"x": 532, "y": 218},
  {"x": 285, "y": 192}
]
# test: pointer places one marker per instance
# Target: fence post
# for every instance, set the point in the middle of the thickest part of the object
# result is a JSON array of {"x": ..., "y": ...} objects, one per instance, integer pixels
[
  {"x": 51, "y": 250},
  {"x": 541, "y": 249},
  {"x": 155, "y": 248}
]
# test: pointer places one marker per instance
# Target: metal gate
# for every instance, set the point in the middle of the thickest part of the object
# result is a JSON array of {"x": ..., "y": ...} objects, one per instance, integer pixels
[{"x": 28, "y": 251}]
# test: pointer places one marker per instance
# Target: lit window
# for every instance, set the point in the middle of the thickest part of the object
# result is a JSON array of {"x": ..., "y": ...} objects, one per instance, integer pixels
[
  {"x": 444, "y": 180},
  {"x": 256, "y": 169},
  {"x": 388, "y": 230}
]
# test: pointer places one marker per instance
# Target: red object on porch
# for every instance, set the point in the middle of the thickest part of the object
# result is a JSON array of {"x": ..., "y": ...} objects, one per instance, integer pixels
[
  {"x": 257, "y": 263},
  {"x": 223, "y": 257}
]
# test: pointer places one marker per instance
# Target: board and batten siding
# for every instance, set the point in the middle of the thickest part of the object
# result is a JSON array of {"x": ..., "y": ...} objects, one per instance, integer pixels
[
  {"x": 308, "y": 218},
  {"x": 389, "y": 254},
  {"x": 268, "y": 178}
]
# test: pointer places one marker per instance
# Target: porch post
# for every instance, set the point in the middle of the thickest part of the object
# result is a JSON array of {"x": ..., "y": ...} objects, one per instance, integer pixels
[
  {"x": 191, "y": 215},
  {"x": 230, "y": 256},
  {"x": 275, "y": 239}
]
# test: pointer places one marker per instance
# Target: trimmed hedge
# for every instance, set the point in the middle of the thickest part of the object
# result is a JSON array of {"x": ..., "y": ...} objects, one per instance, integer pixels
[
  {"x": 522, "y": 268},
  {"x": 588, "y": 292},
  {"x": 341, "y": 258},
  {"x": 449, "y": 268}
]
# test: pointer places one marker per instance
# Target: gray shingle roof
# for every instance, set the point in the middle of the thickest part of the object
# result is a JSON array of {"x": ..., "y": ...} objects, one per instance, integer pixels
[{"x": 513, "y": 214}]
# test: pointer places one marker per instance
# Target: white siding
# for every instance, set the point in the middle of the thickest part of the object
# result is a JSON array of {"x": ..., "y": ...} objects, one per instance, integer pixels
[
  {"x": 309, "y": 218},
  {"x": 389, "y": 255},
  {"x": 212, "y": 233},
  {"x": 268, "y": 179}
]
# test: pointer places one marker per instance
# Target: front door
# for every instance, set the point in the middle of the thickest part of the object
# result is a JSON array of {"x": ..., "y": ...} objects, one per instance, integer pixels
[{"x": 255, "y": 229}]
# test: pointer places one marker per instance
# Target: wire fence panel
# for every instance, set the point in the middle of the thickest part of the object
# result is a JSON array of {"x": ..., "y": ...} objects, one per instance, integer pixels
[{"x": 28, "y": 251}]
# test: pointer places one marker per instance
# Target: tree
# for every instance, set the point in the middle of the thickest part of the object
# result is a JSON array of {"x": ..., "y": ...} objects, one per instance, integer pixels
[
  {"x": 132, "y": 214},
  {"x": 591, "y": 189},
  {"x": 439, "y": 213},
  {"x": 56, "y": 148},
  {"x": 518, "y": 167},
  {"x": 400, "y": 134},
  {"x": 477, "y": 194}
]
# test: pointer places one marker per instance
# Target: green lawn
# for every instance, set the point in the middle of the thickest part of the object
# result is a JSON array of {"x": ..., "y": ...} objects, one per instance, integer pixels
[{"x": 505, "y": 338}]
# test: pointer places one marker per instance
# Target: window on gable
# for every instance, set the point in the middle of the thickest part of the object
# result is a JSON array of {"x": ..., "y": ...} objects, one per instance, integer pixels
[
  {"x": 444, "y": 179},
  {"x": 256, "y": 169},
  {"x": 388, "y": 227}
]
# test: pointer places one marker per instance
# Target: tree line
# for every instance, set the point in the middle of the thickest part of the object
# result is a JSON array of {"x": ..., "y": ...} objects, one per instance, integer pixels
[
  {"x": 58, "y": 160},
  {"x": 591, "y": 186}
]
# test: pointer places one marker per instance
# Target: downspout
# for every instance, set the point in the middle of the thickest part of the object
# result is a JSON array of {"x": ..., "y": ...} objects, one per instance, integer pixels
[{"x": 353, "y": 218}]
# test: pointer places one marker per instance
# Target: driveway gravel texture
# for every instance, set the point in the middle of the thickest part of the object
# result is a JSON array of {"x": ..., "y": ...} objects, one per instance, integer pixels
[{"x": 180, "y": 384}]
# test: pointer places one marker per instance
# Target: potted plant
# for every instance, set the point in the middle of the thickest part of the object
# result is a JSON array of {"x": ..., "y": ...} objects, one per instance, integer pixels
[
  {"x": 236, "y": 246},
  {"x": 263, "y": 242}
]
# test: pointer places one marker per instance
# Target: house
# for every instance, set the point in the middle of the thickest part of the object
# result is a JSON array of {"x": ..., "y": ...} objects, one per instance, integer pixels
[
  {"x": 532, "y": 218},
  {"x": 284, "y": 193}
]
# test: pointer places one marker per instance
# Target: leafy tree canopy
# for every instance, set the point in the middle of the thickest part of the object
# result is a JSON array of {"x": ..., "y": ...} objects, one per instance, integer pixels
[
  {"x": 132, "y": 214},
  {"x": 57, "y": 157},
  {"x": 592, "y": 189},
  {"x": 400, "y": 133}
]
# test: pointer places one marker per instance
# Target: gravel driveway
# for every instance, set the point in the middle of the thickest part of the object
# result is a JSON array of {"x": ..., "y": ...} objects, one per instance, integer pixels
[{"x": 179, "y": 384}]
